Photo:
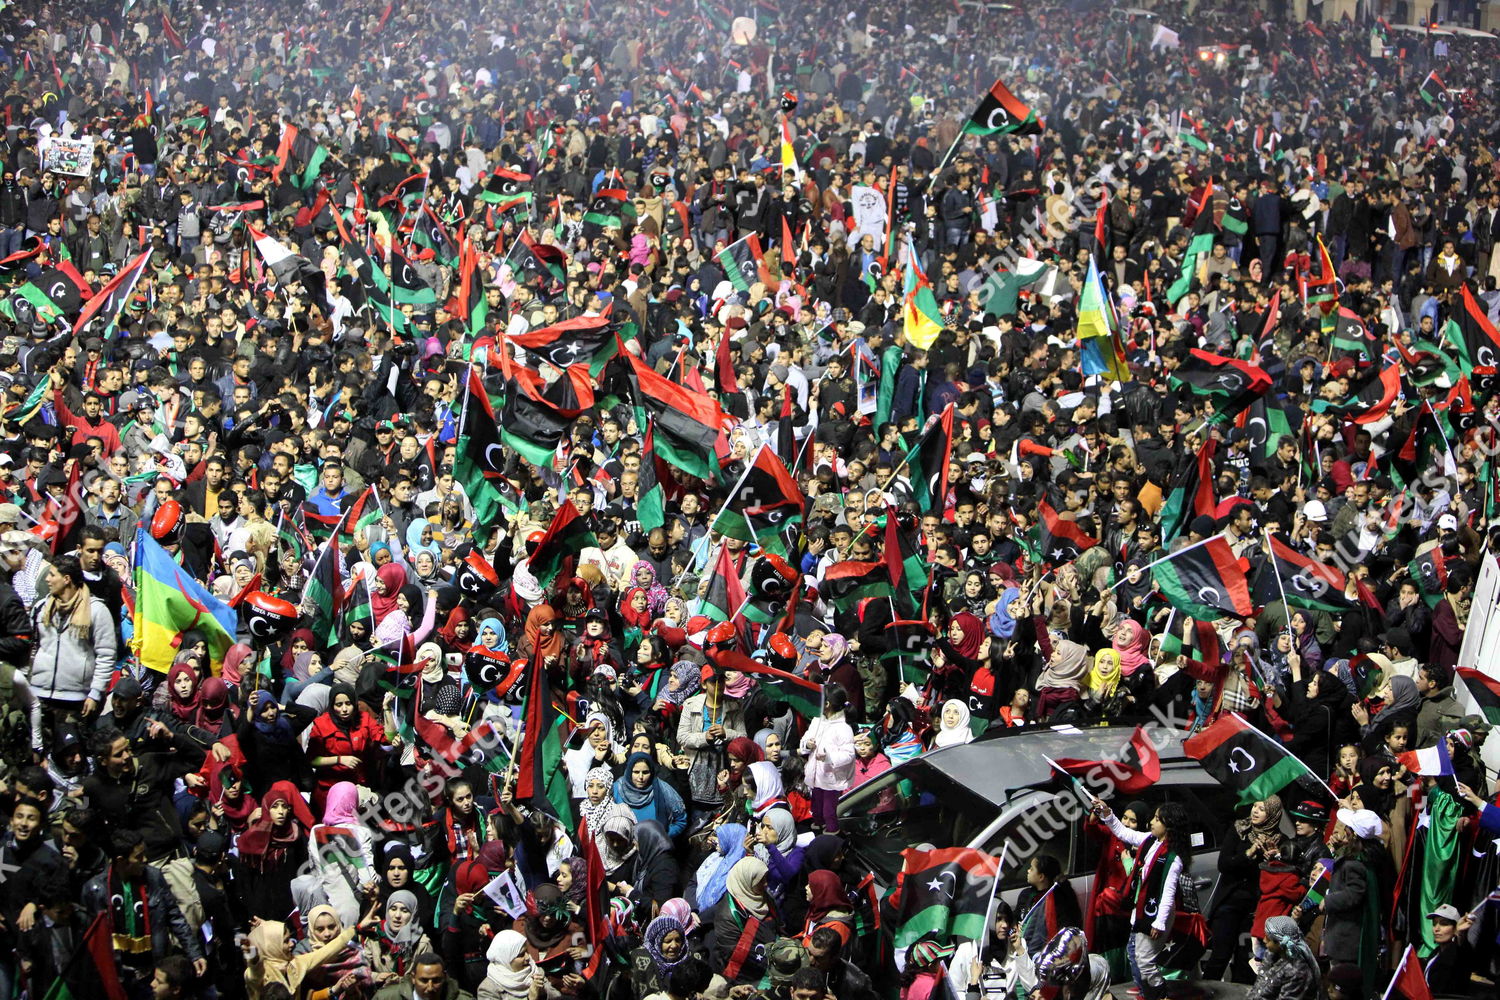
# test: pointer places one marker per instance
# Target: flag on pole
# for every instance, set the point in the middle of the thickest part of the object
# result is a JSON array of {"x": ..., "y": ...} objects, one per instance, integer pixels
[
  {"x": 1243, "y": 758},
  {"x": 1000, "y": 112},
  {"x": 1205, "y": 581},
  {"x": 944, "y": 893}
]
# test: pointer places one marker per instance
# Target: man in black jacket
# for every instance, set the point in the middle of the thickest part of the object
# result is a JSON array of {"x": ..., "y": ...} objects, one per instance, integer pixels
[
  {"x": 12, "y": 214},
  {"x": 131, "y": 879}
]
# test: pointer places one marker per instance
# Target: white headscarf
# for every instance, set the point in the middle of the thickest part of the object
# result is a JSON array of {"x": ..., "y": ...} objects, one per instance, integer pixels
[
  {"x": 957, "y": 735},
  {"x": 503, "y": 951}
]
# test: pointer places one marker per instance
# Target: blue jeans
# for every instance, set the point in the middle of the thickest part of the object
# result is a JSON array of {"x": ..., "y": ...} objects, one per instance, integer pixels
[{"x": 11, "y": 239}]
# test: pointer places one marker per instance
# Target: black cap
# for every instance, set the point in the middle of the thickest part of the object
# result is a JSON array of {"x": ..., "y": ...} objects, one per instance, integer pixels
[
  {"x": 211, "y": 845},
  {"x": 1399, "y": 639}
]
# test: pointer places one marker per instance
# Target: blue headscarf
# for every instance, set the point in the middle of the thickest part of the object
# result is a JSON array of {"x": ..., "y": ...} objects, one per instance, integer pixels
[
  {"x": 658, "y": 801},
  {"x": 493, "y": 623},
  {"x": 1002, "y": 625},
  {"x": 713, "y": 873}
]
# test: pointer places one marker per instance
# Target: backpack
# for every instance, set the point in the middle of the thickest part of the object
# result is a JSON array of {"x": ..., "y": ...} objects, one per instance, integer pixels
[{"x": 15, "y": 726}]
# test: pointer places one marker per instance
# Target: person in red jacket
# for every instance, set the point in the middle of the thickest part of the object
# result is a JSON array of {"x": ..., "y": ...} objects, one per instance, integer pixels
[
  {"x": 344, "y": 743},
  {"x": 90, "y": 423}
]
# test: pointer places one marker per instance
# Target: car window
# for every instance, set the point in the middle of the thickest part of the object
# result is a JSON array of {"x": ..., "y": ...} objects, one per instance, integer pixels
[
  {"x": 1038, "y": 826},
  {"x": 918, "y": 805},
  {"x": 1210, "y": 809}
]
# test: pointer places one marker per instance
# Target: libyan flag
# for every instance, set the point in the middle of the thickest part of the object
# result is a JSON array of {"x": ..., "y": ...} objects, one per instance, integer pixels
[
  {"x": 1205, "y": 581},
  {"x": 1000, "y": 112},
  {"x": 576, "y": 341},
  {"x": 1306, "y": 582},
  {"x": 540, "y": 778},
  {"x": 944, "y": 894},
  {"x": 1430, "y": 573},
  {"x": 687, "y": 423},
  {"x": 479, "y": 459},
  {"x": 764, "y": 502},
  {"x": 928, "y": 460},
  {"x": 1231, "y": 383},
  {"x": 805, "y": 697},
  {"x": 1192, "y": 491},
  {"x": 850, "y": 581},
  {"x": 1135, "y": 768},
  {"x": 91, "y": 971},
  {"x": 1368, "y": 401},
  {"x": 1485, "y": 691},
  {"x": 567, "y": 535},
  {"x": 725, "y": 596},
  {"x": 1243, "y": 758},
  {"x": 904, "y": 562},
  {"x": 1060, "y": 540},
  {"x": 741, "y": 262}
]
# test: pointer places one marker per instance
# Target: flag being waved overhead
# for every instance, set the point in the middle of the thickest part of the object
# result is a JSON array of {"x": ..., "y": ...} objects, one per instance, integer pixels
[
  {"x": 1000, "y": 112},
  {"x": 943, "y": 893},
  {"x": 1245, "y": 759}
]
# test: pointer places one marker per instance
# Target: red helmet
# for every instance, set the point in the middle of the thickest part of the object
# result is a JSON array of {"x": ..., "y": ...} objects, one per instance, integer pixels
[
  {"x": 721, "y": 634},
  {"x": 167, "y": 521},
  {"x": 781, "y": 645}
]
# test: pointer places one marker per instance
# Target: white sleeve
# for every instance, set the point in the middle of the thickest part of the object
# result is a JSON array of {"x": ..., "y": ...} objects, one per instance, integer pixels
[
  {"x": 1135, "y": 838},
  {"x": 1168, "y": 905}
]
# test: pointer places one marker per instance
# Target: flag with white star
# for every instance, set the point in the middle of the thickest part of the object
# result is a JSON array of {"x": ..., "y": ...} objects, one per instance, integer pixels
[{"x": 943, "y": 894}]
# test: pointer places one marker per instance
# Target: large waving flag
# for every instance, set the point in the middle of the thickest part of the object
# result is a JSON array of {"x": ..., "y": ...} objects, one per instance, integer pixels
[
  {"x": 1000, "y": 112},
  {"x": 112, "y": 297},
  {"x": 1243, "y": 758},
  {"x": 921, "y": 317},
  {"x": 1099, "y": 330},
  {"x": 1205, "y": 581},
  {"x": 944, "y": 893},
  {"x": 168, "y": 602}
]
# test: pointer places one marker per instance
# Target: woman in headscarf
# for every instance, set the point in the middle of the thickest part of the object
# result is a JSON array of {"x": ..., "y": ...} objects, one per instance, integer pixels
[
  {"x": 953, "y": 725},
  {"x": 776, "y": 838},
  {"x": 648, "y": 797},
  {"x": 272, "y": 850},
  {"x": 598, "y": 805},
  {"x": 1249, "y": 842},
  {"x": 398, "y": 873},
  {"x": 726, "y": 845},
  {"x": 510, "y": 974},
  {"x": 836, "y": 666},
  {"x": 957, "y": 658},
  {"x": 827, "y": 905},
  {"x": 663, "y": 947},
  {"x": 654, "y": 875},
  {"x": 643, "y": 577},
  {"x": 1063, "y": 680},
  {"x": 273, "y": 961},
  {"x": 1104, "y": 679},
  {"x": 179, "y": 695},
  {"x": 389, "y": 579},
  {"x": 392, "y": 942},
  {"x": 400, "y": 622},
  {"x": 683, "y": 681},
  {"x": 1376, "y": 786},
  {"x": 1316, "y": 707},
  {"x": 764, "y": 788},
  {"x": 1305, "y": 641},
  {"x": 469, "y": 924},
  {"x": 333, "y": 842},
  {"x": 343, "y": 973},
  {"x": 709, "y": 720},
  {"x": 457, "y": 632},
  {"x": 227, "y": 797},
  {"x": 742, "y": 921},
  {"x": 599, "y": 749},
  {"x": 1401, "y": 703},
  {"x": 1291, "y": 973},
  {"x": 739, "y": 754},
  {"x": 551, "y": 935},
  {"x": 635, "y": 611},
  {"x": 268, "y": 737},
  {"x": 346, "y": 743},
  {"x": 438, "y": 697},
  {"x": 543, "y": 635},
  {"x": 1002, "y": 623},
  {"x": 419, "y": 539},
  {"x": 1106, "y": 921}
]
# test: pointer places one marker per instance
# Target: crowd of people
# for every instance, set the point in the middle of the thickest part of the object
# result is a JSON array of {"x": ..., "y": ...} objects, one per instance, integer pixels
[{"x": 309, "y": 251}]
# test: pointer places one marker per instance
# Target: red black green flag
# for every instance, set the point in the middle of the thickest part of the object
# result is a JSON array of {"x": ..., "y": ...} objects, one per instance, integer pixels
[
  {"x": 1485, "y": 690},
  {"x": 1231, "y": 383},
  {"x": 1352, "y": 337},
  {"x": 1001, "y": 112},
  {"x": 687, "y": 423},
  {"x": 725, "y": 595},
  {"x": 850, "y": 581},
  {"x": 741, "y": 262},
  {"x": 1430, "y": 573},
  {"x": 1192, "y": 491},
  {"x": 1368, "y": 400},
  {"x": 1473, "y": 335},
  {"x": 1060, "y": 539},
  {"x": 567, "y": 535},
  {"x": 324, "y": 591},
  {"x": 479, "y": 463},
  {"x": 429, "y": 233},
  {"x": 943, "y": 894},
  {"x": 1306, "y": 582},
  {"x": 540, "y": 778},
  {"x": 1131, "y": 771},
  {"x": 928, "y": 462},
  {"x": 764, "y": 502},
  {"x": 1205, "y": 581},
  {"x": 1241, "y": 757},
  {"x": 576, "y": 341}
]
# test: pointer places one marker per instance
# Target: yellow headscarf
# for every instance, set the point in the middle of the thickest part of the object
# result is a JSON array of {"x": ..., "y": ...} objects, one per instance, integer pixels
[{"x": 1105, "y": 676}]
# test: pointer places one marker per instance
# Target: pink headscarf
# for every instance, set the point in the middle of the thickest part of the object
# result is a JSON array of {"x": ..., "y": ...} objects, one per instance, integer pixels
[
  {"x": 342, "y": 807},
  {"x": 393, "y": 577},
  {"x": 1130, "y": 641}
]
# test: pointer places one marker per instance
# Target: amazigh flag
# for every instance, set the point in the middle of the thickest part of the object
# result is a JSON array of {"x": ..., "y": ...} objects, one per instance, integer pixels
[
  {"x": 112, "y": 297},
  {"x": 921, "y": 318},
  {"x": 479, "y": 460},
  {"x": 928, "y": 461},
  {"x": 1060, "y": 540},
  {"x": 1306, "y": 582},
  {"x": 741, "y": 262},
  {"x": 850, "y": 581},
  {"x": 764, "y": 501},
  {"x": 540, "y": 778},
  {"x": 1205, "y": 581},
  {"x": 1099, "y": 330},
  {"x": 1369, "y": 400},
  {"x": 168, "y": 602},
  {"x": 1351, "y": 336},
  {"x": 567, "y": 535},
  {"x": 1191, "y": 492},
  {"x": 1473, "y": 335},
  {"x": 943, "y": 894},
  {"x": 576, "y": 341},
  {"x": 1485, "y": 690},
  {"x": 1231, "y": 383},
  {"x": 1241, "y": 757},
  {"x": 687, "y": 423},
  {"x": 1001, "y": 112},
  {"x": 1429, "y": 572},
  {"x": 725, "y": 595},
  {"x": 1131, "y": 771}
]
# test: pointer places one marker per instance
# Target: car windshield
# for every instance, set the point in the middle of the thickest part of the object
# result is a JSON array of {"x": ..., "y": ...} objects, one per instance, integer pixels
[{"x": 899, "y": 809}]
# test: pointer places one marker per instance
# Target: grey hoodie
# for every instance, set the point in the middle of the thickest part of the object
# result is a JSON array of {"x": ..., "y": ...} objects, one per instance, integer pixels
[{"x": 66, "y": 668}]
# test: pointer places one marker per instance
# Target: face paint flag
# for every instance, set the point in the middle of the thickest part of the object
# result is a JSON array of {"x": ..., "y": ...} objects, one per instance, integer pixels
[
  {"x": 1241, "y": 757},
  {"x": 1001, "y": 112}
]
